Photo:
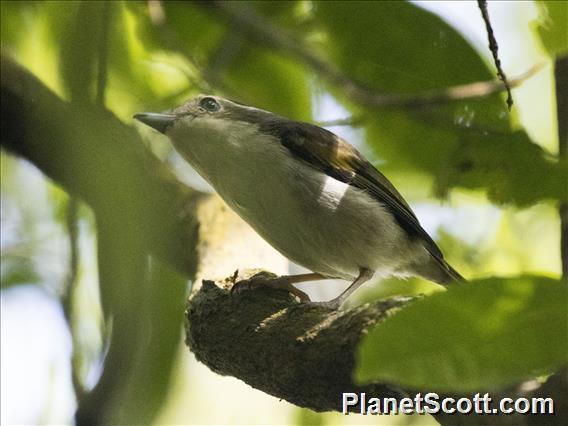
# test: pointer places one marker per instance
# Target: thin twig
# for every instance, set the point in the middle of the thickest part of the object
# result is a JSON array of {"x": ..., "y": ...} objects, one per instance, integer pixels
[
  {"x": 259, "y": 30},
  {"x": 494, "y": 47},
  {"x": 481, "y": 89}
]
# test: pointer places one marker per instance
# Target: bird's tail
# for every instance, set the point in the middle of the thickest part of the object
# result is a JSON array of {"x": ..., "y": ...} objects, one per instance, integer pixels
[
  {"x": 455, "y": 275},
  {"x": 440, "y": 271}
]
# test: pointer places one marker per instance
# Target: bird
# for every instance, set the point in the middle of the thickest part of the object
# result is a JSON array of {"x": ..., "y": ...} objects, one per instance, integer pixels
[{"x": 306, "y": 191}]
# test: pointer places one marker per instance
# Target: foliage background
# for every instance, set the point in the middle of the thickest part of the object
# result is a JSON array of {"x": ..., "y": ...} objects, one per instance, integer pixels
[{"x": 482, "y": 180}]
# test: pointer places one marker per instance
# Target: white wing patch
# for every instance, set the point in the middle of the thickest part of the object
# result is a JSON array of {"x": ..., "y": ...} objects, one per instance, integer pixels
[{"x": 332, "y": 192}]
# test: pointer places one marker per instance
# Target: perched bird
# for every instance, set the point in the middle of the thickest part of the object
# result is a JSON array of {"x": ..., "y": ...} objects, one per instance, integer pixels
[{"x": 306, "y": 191}]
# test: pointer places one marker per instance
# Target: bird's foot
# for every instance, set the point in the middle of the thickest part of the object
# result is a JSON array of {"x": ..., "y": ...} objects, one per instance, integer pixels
[
  {"x": 333, "y": 304},
  {"x": 267, "y": 279}
]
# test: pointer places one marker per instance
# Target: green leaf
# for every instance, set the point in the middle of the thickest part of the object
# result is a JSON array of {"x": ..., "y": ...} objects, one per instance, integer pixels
[
  {"x": 481, "y": 336},
  {"x": 17, "y": 270},
  {"x": 196, "y": 31},
  {"x": 396, "y": 47},
  {"x": 220, "y": 58},
  {"x": 513, "y": 169},
  {"x": 13, "y": 15},
  {"x": 262, "y": 79},
  {"x": 79, "y": 43},
  {"x": 553, "y": 27}
]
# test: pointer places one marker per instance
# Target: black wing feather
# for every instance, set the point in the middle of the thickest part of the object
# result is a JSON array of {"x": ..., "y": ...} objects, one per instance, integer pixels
[{"x": 331, "y": 155}]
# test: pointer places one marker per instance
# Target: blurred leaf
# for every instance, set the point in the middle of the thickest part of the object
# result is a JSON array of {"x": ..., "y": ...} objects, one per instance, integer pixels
[
  {"x": 170, "y": 51},
  {"x": 393, "y": 286},
  {"x": 29, "y": 33},
  {"x": 304, "y": 416},
  {"x": 513, "y": 169},
  {"x": 270, "y": 81},
  {"x": 16, "y": 270},
  {"x": 30, "y": 243},
  {"x": 398, "y": 47},
  {"x": 194, "y": 30},
  {"x": 427, "y": 139},
  {"x": 149, "y": 384},
  {"x": 12, "y": 17},
  {"x": 261, "y": 77},
  {"x": 395, "y": 47},
  {"x": 79, "y": 50},
  {"x": 223, "y": 59},
  {"x": 481, "y": 336},
  {"x": 553, "y": 26},
  {"x": 177, "y": 37},
  {"x": 139, "y": 75}
]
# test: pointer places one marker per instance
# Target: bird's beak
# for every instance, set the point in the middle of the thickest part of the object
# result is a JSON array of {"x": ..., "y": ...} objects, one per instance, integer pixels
[{"x": 160, "y": 122}]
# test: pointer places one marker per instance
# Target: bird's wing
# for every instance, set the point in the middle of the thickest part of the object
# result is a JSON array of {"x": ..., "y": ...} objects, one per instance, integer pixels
[{"x": 328, "y": 153}]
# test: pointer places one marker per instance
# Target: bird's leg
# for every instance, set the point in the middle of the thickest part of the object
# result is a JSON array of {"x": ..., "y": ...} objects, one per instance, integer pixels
[
  {"x": 285, "y": 282},
  {"x": 364, "y": 276}
]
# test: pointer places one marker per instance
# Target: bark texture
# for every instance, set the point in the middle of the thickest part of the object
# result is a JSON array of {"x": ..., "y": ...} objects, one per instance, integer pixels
[
  {"x": 306, "y": 354},
  {"x": 295, "y": 351}
]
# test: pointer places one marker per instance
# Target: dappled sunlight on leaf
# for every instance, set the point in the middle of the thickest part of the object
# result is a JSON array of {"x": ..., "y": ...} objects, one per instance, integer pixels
[
  {"x": 480, "y": 336},
  {"x": 28, "y": 33},
  {"x": 552, "y": 27}
]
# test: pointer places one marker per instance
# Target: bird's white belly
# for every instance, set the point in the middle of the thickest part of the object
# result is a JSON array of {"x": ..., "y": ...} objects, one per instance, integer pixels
[
  {"x": 315, "y": 220},
  {"x": 319, "y": 222}
]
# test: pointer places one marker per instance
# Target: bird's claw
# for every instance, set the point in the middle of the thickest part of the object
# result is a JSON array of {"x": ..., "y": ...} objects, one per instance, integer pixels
[{"x": 263, "y": 280}]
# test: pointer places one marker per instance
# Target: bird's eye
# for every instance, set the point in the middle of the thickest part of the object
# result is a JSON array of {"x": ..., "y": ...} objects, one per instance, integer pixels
[{"x": 209, "y": 104}]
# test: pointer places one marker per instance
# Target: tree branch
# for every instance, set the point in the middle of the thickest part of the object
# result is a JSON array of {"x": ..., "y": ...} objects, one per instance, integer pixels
[
  {"x": 305, "y": 354},
  {"x": 101, "y": 160},
  {"x": 141, "y": 209},
  {"x": 298, "y": 352},
  {"x": 261, "y": 31}
]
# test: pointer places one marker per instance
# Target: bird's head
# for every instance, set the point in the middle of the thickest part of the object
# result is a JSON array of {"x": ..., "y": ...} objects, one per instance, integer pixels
[
  {"x": 209, "y": 130},
  {"x": 205, "y": 111}
]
